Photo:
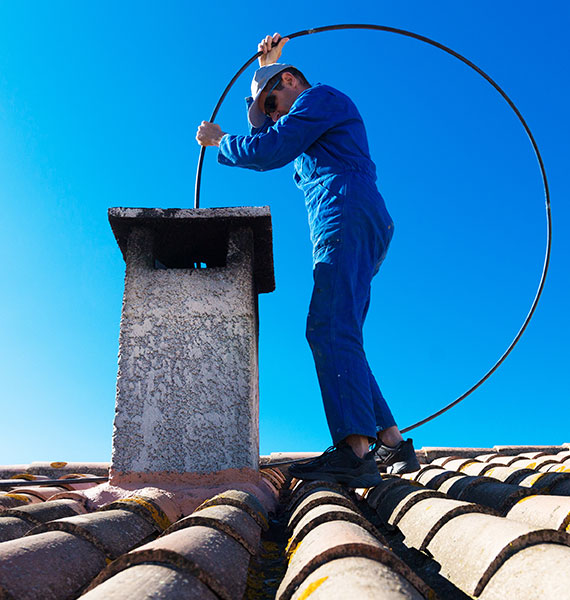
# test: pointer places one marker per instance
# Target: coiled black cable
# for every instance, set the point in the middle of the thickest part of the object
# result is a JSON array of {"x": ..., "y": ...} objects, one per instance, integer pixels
[{"x": 422, "y": 38}]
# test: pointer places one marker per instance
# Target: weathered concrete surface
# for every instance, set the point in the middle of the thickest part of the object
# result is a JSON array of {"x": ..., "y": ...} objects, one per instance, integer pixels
[
  {"x": 200, "y": 233},
  {"x": 187, "y": 387},
  {"x": 175, "y": 500}
]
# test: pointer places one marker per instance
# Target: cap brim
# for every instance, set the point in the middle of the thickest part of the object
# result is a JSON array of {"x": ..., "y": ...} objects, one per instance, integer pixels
[{"x": 255, "y": 116}]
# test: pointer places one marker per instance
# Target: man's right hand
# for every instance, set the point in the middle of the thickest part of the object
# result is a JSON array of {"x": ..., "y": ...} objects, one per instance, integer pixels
[{"x": 270, "y": 54}]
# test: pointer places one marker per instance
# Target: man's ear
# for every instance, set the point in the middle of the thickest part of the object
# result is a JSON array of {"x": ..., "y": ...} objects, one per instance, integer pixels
[{"x": 288, "y": 79}]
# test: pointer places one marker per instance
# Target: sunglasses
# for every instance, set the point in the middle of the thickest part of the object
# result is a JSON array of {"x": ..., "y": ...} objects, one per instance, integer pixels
[{"x": 270, "y": 104}]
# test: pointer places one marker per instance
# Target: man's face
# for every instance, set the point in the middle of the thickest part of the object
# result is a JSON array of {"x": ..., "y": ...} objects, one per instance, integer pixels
[{"x": 279, "y": 102}]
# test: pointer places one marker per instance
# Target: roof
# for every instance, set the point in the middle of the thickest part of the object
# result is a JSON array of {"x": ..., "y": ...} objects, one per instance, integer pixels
[{"x": 490, "y": 523}]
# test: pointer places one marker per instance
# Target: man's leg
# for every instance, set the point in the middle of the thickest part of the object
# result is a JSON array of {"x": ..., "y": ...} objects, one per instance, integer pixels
[
  {"x": 334, "y": 332},
  {"x": 386, "y": 427},
  {"x": 393, "y": 453}
]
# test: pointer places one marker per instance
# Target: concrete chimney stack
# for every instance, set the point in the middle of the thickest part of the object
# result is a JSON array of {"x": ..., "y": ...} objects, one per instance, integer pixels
[{"x": 187, "y": 386}]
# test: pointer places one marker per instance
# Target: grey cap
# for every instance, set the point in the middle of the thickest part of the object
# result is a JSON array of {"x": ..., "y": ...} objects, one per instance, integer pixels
[{"x": 255, "y": 115}]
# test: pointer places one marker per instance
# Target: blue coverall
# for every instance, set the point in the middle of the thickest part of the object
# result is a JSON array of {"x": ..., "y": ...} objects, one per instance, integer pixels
[{"x": 350, "y": 230}]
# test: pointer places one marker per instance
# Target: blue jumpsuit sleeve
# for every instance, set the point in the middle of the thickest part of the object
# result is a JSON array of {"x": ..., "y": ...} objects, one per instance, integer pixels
[{"x": 281, "y": 143}]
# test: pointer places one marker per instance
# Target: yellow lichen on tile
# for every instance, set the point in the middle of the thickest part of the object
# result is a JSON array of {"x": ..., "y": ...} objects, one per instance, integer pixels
[
  {"x": 291, "y": 553},
  {"x": 161, "y": 519},
  {"x": 526, "y": 498},
  {"x": 312, "y": 587},
  {"x": 57, "y": 465},
  {"x": 534, "y": 479},
  {"x": 18, "y": 497},
  {"x": 26, "y": 476}
]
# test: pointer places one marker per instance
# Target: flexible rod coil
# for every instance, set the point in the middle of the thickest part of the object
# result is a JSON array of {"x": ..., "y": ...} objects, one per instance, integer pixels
[{"x": 422, "y": 38}]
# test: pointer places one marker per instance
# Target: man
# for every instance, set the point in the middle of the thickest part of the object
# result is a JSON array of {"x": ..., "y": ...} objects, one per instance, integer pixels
[{"x": 321, "y": 130}]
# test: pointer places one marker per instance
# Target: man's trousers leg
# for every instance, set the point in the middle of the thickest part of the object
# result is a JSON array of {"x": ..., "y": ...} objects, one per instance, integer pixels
[{"x": 352, "y": 400}]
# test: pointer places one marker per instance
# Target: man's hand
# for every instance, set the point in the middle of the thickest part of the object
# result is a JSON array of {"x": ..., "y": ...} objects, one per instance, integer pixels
[
  {"x": 209, "y": 134},
  {"x": 270, "y": 55}
]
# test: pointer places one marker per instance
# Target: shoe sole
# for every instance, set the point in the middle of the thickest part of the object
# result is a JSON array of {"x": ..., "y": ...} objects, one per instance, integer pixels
[
  {"x": 399, "y": 468},
  {"x": 366, "y": 480}
]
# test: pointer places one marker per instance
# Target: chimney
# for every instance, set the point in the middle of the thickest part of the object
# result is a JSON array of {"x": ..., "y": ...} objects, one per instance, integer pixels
[{"x": 187, "y": 386}]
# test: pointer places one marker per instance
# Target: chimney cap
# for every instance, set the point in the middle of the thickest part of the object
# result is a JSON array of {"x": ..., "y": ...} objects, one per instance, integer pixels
[{"x": 175, "y": 228}]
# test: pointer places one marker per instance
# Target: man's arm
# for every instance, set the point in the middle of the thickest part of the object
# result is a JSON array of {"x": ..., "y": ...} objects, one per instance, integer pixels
[{"x": 289, "y": 137}]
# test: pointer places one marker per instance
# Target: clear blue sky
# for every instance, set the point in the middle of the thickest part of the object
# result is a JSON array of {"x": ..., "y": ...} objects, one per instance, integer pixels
[{"x": 99, "y": 104}]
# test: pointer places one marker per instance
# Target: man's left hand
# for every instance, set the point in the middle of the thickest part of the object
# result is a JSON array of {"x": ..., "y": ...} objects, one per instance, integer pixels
[{"x": 209, "y": 134}]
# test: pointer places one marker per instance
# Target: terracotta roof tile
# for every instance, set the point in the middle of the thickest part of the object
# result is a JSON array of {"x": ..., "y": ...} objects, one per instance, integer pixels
[
  {"x": 208, "y": 550},
  {"x": 534, "y": 463},
  {"x": 335, "y": 540},
  {"x": 425, "y": 518},
  {"x": 448, "y": 511},
  {"x": 213, "y": 557},
  {"x": 41, "y": 492},
  {"x": 441, "y": 461},
  {"x": 429, "y": 454},
  {"x": 433, "y": 477},
  {"x": 231, "y": 520},
  {"x": 557, "y": 468},
  {"x": 507, "y": 474},
  {"x": 544, "y": 482},
  {"x": 113, "y": 532},
  {"x": 151, "y": 581},
  {"x": 398, "y": 500},
  {"x": 540, "y": 571},
  {"x": 326, "y": 513},
  {"x": 506, "y": 460},
  {"x": 456, "y": 464},
  {"x": 46, "y": 511},
  {"x": 54, "y": 470},
  {"x": 243, "y": 500},
  {"x": 561, "y": 487},
  {"x": 356, "y": 577},
  {"x": 316, "y": 498},
  {"x": 494, "y": 494},
  {"x": 487, "y": 457},
  {"x": 274, "y": 476},
  {"x": 301, "y": 489},
  {"x": 517, "y": 450},
  {"x": 453, "y": 486},
  {"x": 552, "y": 512},
  {"x": 477, "y": 468},
  {"x": 12, "y": 527},
  {"x": 16, "y": 522},
  {"x": 51, "y": 566},
  {"x": 145, "y": 507},
  {"x": 272, "y": 486},
  {"x": 532, "y": 455},
  {"x": 471, "y": 547},
  {"x": 13, "y": 499},
  {"x": 376, "y": 495}
]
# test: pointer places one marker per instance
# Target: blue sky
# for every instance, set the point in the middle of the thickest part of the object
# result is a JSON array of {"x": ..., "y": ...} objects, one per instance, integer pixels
[{"x": 99, "y": 104}]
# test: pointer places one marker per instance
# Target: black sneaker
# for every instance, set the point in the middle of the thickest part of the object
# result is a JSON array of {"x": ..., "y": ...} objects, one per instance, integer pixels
[
  {"x": 400, "y": 459},
  {"x": 339, "y": 464}
]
